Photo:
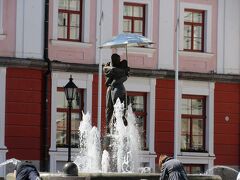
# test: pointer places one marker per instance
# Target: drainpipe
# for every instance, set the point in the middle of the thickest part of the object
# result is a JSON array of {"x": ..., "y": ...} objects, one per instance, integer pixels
[{"x": 44, "y": 165}]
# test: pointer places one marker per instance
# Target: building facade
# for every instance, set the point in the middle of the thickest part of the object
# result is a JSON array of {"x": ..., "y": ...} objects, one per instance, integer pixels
[{"x": 42, "y": 43}]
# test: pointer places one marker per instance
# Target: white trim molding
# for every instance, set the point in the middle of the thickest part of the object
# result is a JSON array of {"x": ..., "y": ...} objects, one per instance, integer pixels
[
  {"x": 205, "y": 89},
  {"x": 70, "y": 44},
  {"x": 85, "y": 21},
  {"x": 208, "y": 24},
  {"x": 3, "y": 148},
  {"x": 148, "y": 85},
  {"x": 82, "y": 80}
]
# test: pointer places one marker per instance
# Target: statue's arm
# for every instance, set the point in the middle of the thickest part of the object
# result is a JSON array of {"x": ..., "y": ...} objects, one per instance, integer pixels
[{"x": 119, "y": 81}]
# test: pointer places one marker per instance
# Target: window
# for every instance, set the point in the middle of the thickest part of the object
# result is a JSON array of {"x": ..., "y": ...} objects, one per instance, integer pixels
[
  {"x": 193, "y": 123},
  {"x": 70, "y": 20},
  {"x": 194, "y": 168},
  {"x": 193, "y": 30},
  {"x": 134, "y": 18},
  {"x": 138, "y": 102},
  {"x": 61, "y": 121}
]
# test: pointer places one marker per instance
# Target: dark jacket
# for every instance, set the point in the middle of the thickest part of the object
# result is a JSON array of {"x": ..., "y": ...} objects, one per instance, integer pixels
[
  {"x": 26, "y": 171},
  {"x": 172, "y": 169}
]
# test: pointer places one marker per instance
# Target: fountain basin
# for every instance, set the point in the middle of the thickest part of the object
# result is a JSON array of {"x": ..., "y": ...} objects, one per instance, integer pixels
[{"x": 115, "y": 176}]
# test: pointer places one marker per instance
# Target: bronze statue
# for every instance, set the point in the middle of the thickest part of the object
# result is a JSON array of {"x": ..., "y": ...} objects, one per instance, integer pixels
[{"x": 116, "y": 72}]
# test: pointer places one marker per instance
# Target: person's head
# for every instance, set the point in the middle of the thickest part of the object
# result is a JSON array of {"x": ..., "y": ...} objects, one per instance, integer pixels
[
  {"x": 115, "y": 60},
  {"x": 124, "y": 63},
  {"x": 162, "y": 157}
]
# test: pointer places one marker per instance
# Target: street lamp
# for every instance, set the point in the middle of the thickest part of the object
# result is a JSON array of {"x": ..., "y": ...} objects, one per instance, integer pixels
[{"x": 70, "y": 90}]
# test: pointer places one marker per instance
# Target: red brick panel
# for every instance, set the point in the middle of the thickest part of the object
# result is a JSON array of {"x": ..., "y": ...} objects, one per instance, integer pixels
[
  {"x": 164, "y": 115},
  {"x": 226, "y": 133},
  {"x": 24, "y": 107}
]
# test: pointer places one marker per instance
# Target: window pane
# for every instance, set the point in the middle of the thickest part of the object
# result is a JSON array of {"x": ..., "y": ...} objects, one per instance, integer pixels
[
  {"x": 138, "y": 11},
  {"x": 187, "y": 16},
  {"x": 62, "y": 25},
  {"x": 61, "y": 100},
  {"x": 197, "y": 31},
  {"x": 75, "y": 122},
  {"x": 197, "y": 44},
  {"x": 197, "y": 107},
  {"x": 186, "y": 106},
  {"x": 74, "y": 33},
  {"x": 197, "y": 143},
  {"x": 197, "y": 17},
  {"x": 141, "y": 129},
  {"x": 187, "y": 43},
  {"x": 62, "y": 32},
  {"x": 74, "y": 29},
  {"x": 197, "y": 128},
  {"x": 127, "y": 11},
  {"x": 62, "y": 129},
  {"x": 77, "y": 102},
  {"x": 138, "y": 26},
  {"x": 137, "y": 103},
  {"x": 62, "y": 19},
  {"x": 185, "y": 134},
  {"x": 197, "y": 169},
  {"x": 187, "y": 31},
  {"x": 74, "y": 20},
  {"x": 127, "y": 25},
  {"x": 74, "y": 5},
  {"x": 63, "y": 4}
]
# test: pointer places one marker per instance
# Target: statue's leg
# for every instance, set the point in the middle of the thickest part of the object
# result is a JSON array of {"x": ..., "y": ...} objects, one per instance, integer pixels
[{"x": 109, "y": 109}]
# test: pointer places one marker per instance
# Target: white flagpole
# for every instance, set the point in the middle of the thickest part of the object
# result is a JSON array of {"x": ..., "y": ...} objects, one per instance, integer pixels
[
  {"x": 176, "y": 112},
  {"x": 100, "y": 73}
]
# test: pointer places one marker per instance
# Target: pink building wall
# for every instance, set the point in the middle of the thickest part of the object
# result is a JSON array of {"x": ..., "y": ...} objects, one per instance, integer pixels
[
  {"x": 7, "y": 44},
  {"x": 83, "y": 54},
  {"x": 199, "y": 63}
]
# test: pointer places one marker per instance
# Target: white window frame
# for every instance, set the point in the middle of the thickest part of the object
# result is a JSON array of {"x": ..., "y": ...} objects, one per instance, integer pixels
[
  {"x": 207, "y": 26},
  {"x": 82, "y": 80},
  {"x": 147, "y": 85},
  {"x": 85, "y": 24},
  {"x": 204, "y": 89},
  {"x": 3, "y": 148},
  {"x": 148, "y": 24}
]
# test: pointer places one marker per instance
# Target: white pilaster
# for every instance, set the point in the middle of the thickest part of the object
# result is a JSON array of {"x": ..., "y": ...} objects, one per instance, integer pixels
[
  {"x": 3, "y": 148},
  {"x": 221, "y": 36},
  {"x": 29, "y": 29},
  {"x": 166, "y": 34}
]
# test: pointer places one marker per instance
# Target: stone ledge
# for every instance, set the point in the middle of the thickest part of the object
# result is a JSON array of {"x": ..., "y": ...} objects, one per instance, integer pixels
[{"x": 114, "y": 176}]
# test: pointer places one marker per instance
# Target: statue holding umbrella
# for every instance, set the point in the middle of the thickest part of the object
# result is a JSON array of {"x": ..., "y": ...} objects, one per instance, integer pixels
[{"x": 117, "y": 71}]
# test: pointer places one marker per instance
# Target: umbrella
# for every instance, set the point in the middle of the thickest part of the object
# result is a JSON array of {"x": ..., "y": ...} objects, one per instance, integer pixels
[{"x": 127, "y": 39}]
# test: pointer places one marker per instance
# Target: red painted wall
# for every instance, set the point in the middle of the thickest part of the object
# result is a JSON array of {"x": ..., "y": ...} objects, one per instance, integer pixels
[
  {"x": 226, "y": 133},
  {"x": 164, "y": 125},
  {"x": 23, "y": 113},
  {"x": 95, "y": 102}
]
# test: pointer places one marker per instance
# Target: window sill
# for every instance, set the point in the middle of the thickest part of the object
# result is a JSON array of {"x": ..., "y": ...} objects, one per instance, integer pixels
[
  {"x": 196, "y": 54},
  {"x": 138, "y": 50},
  {"x": 195, "y": 154},
  {"x": 70, "y": 43},
  {"x": 3, "y": 36}
]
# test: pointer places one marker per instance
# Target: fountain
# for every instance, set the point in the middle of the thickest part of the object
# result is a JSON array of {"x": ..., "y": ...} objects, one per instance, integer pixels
[
  {"x": 225, "y": 172},
  {"x": 120, "y": 149}
]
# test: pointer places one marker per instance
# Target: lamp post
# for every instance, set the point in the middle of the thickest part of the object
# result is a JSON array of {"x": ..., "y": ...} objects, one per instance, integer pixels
[{"x": 70, "y": 90}]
